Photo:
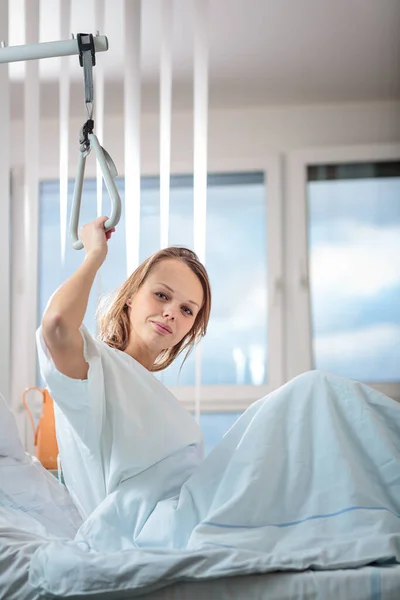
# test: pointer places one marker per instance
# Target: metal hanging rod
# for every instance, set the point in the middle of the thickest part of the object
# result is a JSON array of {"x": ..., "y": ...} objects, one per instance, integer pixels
[{"x": 48, "y": 49}]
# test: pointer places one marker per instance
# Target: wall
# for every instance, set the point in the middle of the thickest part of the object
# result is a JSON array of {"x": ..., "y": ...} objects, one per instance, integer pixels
[{"x": 234, "y": 134}]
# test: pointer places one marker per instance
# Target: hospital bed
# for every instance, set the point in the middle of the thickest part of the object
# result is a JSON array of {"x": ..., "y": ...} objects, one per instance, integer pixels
[
  {"x": 18, "y": 546},
  {"x": 367, "y": 583}
]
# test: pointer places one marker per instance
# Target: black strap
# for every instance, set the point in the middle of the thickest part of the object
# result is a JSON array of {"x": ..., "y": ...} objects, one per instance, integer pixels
[{"x": 85, "y": 44}]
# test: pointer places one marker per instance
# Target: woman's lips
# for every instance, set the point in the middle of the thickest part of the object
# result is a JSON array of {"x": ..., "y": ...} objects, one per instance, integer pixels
[{"x": 161, "y": 328}]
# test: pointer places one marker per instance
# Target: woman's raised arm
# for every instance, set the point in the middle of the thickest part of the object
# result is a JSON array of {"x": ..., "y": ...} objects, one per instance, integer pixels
[{"x": 67, "y": 307}]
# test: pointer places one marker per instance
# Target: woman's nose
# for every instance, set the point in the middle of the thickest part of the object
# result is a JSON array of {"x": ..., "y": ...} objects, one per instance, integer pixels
[{"x": 169, "y": 313}]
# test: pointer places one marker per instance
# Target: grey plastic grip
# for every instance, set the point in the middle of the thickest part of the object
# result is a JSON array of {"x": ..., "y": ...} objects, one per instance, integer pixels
[{"x": 109, "y": 172}]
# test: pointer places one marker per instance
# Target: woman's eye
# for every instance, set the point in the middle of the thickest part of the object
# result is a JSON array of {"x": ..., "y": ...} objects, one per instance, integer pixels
[
  {"x": 187, "y": 310},
  {"x": 161, "y": 296}
]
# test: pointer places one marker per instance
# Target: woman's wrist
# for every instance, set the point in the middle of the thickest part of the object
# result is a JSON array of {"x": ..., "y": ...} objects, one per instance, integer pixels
[{"x": 96, "y": 257}]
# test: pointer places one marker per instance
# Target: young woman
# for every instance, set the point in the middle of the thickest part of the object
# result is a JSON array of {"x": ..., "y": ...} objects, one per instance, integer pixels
[
  {"x": 310, "y": 473},
  {"x": 106, "y": 398}
]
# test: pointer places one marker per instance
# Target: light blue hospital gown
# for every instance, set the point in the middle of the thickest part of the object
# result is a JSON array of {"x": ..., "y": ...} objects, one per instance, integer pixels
[{"x": 307, "y": 476}]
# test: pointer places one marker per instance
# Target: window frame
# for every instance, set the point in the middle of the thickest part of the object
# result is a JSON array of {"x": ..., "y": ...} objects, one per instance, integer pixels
[
  {"x": 298, "y": 334},
  {"x": 217, "y": 398}
]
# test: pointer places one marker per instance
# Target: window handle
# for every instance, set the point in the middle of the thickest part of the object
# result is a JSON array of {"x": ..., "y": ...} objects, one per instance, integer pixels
[
  {"x": 278, "y": 291},
  {"x": 304, "y": 278}
]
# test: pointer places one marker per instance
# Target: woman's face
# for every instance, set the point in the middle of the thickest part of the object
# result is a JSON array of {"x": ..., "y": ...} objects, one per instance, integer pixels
[{"x": 165, "y": 307}]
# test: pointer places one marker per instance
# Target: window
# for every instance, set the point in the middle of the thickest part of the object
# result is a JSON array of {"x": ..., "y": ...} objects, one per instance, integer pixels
[
  {"x": 235, "y": 350},
  {"x": 354, "y": 268},
  {"x": 214, "y": 426}
]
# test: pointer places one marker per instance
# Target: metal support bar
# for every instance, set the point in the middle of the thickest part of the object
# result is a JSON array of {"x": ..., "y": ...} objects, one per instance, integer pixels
[{"x": 48, "y": 49}]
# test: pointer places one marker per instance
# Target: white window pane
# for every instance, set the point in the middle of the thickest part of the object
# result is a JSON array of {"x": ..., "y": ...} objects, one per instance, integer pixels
[
  {"x": 354, "y": 245},
  {"x": 235, "y": 347}
]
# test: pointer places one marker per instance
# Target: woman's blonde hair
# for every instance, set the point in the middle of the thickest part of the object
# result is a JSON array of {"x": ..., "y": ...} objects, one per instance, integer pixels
[{"x": 114, "y": 322}]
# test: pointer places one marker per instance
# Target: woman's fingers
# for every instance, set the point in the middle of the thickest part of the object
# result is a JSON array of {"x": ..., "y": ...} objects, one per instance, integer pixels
[
  {"x": 93, "y": 234},
  {"x": 101, "y": 220},
  {"x": 109, "y": 233}
]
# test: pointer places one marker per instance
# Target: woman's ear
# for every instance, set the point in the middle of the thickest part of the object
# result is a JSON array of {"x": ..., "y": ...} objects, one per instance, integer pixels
[{"x": 129, "y": 302}]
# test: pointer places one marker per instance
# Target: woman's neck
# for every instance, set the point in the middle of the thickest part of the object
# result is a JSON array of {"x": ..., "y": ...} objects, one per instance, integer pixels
[{"x": 141, "y": 353}]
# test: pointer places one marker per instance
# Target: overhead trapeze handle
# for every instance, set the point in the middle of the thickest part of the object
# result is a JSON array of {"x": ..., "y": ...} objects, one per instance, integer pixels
[
  {"x": 109, "y": 172},
  {"x": 88, "y": 141}
]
